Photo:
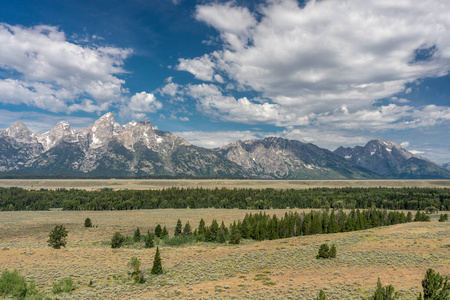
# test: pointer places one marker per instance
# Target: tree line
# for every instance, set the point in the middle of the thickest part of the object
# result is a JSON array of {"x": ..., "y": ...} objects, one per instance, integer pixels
[{"x": 431, "y": 199}]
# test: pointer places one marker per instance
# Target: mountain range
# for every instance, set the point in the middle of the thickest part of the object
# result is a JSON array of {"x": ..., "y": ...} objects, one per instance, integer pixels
[{"x": 139, "y": 149}]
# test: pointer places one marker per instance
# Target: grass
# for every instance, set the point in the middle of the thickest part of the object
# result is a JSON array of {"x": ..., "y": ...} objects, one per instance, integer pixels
[
  {"x": 212, "y": 183},
  {"x": 287, "y": 268}
]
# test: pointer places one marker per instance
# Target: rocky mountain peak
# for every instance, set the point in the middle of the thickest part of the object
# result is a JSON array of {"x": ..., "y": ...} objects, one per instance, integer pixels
[
  {"x": 104, "y": 129},
  {"x": 20, "y": 132},
  {"x": 57, "y": 133}
]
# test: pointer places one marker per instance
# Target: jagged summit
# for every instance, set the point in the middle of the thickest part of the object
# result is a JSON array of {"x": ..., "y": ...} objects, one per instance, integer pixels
[
  {"x": 20, "y": 132},
  {"x": 388, "y": 158}
]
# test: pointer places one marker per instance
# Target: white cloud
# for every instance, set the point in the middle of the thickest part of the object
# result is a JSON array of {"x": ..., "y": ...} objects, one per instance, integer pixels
[
  {"x": 416, "y": 152},
  {"x": 140, "y": 105},
  {"x": 216, "y": 139},
  {"x": 170, "y": 89},
  {"x": 404, "y": 144},
  {"x": 51, "y": 73},
  {"x": 309, "y": 62}
]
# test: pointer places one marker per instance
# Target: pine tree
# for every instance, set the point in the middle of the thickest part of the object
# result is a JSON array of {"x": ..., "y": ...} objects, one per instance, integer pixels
[
  {"x": 137, "y": 235},
  {"x": 333, "y": 227},
  {"x": 435, "y": 287},
  {"x": 87, "y": 222},
  {"x": 235, "y": 237},
  {"x": 333, "y": 251},
  {"x": 57, "y": 237},
  {"x": 201, "y": 227},
  {"x": 157, "y": 266},
  {"x": 384, "y": 293},
  {"x": 164, "y": 232},
  {"x": 321, "y": 296},
  {"x": 187, "y": 231},
  {"x": 214, "y": 230},
  {"x": 158, "y": 230},
  {"x": 178, "y": 228},
  {"x": 117, "y": 240},
  {"x": 149, "y": 243},
  {"x": 324, "y": 251}
]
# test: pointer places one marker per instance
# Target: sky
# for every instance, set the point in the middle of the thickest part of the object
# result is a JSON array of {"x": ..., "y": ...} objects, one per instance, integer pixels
[{"x": 329, "y": 72}]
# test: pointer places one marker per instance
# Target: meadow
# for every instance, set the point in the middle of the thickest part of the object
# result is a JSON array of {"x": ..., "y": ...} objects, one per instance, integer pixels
[
  {"x": 141, "y": 184},
  {"x": 284, "y": 268}
]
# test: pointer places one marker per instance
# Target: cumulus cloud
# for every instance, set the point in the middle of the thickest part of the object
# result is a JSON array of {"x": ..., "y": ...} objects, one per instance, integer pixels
[
  {"x": 140, "y": 105},
  {"x": 311, "y": 61},
  {"x": 51, "y": 73}
]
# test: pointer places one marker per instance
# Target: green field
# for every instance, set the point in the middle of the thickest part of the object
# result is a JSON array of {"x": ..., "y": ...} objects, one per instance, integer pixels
[{"x": 141, "y": 184}]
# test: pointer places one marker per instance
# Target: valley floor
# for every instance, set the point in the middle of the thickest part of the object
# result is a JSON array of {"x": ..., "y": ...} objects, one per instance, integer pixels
[
  {"x": 279, "y": 269},
  {"x": 141, "y": 184}
]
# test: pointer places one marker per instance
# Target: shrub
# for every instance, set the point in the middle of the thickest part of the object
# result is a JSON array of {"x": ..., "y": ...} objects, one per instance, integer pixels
[
  {"x": 384, "y": 293},
  {"x": 65, "y": 285},
  {"x": 157, "y": 265},
  {"x": 117, "y": 240},
  {"x": 12, "y": 284},
  {"x": 333, "y": 251},
  {"x": 57, "y": 237},
  {"x": 324, "y": 251},
  {"x": 443, "y": 218},
  {"x": 87, "y": 223},
  {"x": 435, "y": 287}
]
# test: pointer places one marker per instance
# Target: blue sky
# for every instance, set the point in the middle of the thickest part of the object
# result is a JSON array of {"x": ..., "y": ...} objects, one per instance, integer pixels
[{"x": 327, "y": 72}]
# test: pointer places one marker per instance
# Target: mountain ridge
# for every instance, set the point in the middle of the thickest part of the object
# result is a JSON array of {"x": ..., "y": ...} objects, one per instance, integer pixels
[{"x": 139, "y": 149}]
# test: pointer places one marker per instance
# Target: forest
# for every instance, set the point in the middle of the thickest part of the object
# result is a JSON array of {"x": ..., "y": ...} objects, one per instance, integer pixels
[{"x": 434, "y": 199}]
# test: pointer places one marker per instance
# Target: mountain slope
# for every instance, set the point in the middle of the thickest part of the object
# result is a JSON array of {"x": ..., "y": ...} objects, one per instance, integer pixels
[
  {"x": 277, "y": 158},
  {"x": 389, "y": 159},
  {"x": 106, "y": 148}
]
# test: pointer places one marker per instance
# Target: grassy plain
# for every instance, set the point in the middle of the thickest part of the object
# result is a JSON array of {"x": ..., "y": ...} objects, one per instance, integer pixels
[
  {"x": 285, "y": 268},
  {"x": 141, "y": 184}
]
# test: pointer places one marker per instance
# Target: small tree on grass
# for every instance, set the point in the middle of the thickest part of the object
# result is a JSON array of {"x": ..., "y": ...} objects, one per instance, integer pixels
[
  {"x": 321, "y": 296},
  {"x": 149, "y": 243},
  {"x": 178, "y": 228},
  {"x": 157, "y": 266},
  {"x": 57, "y": 237},
  {"x": 14, "y": 286},
  {"x": 187, "y": 230},
  {"x": 117, "y": 240},
  {"x": 384, "y": 293},
  {"x": 164, "y": 232},
  {"x": 324, "y": 251},
  {"x": 137, "y": 235},
  {"x": 333, "y": 251},
  {"x": 235, "y": 237},
  {"x": 443, "y": 218},
  {"x": 87, "y": 223},
  {"x": 158, "y": 230},
  {"x": 435, "y": 287},
  {"x": 136, "y": 274}
]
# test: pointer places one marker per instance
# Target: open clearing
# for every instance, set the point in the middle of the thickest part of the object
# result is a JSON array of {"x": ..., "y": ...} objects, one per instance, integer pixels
[
  {"x": 141, "y": 184},
  {"x": 285, "y": 268}
]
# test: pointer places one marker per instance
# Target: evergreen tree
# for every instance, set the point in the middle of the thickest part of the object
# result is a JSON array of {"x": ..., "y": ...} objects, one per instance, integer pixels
[
  {"x": 443, "y": 217},
  {"x": 409, "y": 217},
  {"x": 117, "y": 240},
  {"x": 333, "y": 227},
  {"x": 137, "y": 235},
  {"x": 149, "y": 243},
  {"x": 157, "y": 265},
  {"x": 201, "y": 227},
  {"x": 178, "y": 228},
  {"x": 187, "y": 231},
  {"x": 435, "y": 287},
  {"x": 333, "y": 251},
  {"x": 164, "y": 232},
  {"x": 57, "y": 237},
  {"x": 324, "y": 251},
  {"x": 384, "y": 293},
  {"x": 87, "y": 222},
  {"x": 158, "y": 231},
  {"x": 214, "y": 230},
  {"x": 235, "y": 237},
  {"x": 321, "y": 295}
]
